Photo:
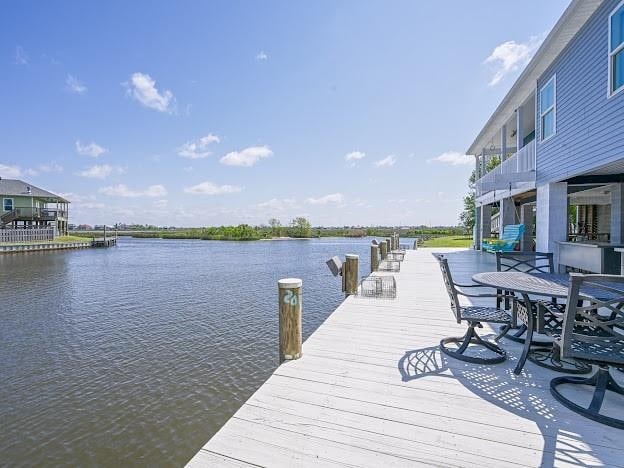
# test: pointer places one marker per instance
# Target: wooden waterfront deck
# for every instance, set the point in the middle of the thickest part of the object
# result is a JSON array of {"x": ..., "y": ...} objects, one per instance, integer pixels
[{"x": 372, "y": 389}]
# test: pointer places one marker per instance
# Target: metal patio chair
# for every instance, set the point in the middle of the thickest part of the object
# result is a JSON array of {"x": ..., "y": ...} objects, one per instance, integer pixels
[
  {"x": 593, "y": 331},
  {"x": 474, "y": 315},
  {"x": 527, "y": 262}
]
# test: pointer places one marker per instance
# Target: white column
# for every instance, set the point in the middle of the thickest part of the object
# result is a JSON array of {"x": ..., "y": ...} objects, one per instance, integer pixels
[
  {"x": 477, "y": 167},
  {"x": 483, "y": 163},
  {"x": 486, "y": 222},
  {"x": 526, "y": 218},
  {"x": 503, "y": 143},
  {"x": 507, "y": 214},
  {"x": 476, "y": 231},
  {"x": 617, "y": 208},
  {"x": 552, "y": 217},
  {"x": 519, "y": 128}
]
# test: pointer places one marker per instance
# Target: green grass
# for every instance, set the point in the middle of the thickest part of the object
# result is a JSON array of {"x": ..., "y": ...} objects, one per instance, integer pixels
[
  {"x": 57, "y": 240},
  {"x": 449, "y": 241}
]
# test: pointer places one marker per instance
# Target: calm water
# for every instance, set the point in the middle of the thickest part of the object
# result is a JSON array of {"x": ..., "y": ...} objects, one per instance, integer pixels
[{"x": 138, "y": 354}]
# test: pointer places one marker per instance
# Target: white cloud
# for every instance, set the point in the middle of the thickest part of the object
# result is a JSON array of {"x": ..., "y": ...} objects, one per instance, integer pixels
[
  {"x": 122, "y": 190},
  {"x": 99, "y": 171},
  {"x": 510, "y": 56},
  {"x": 74, "y": 85},
  {"x": 388, "y": 161},
  {"x": 262, "y": 55},
  {"x": 143, "y": 88},
  {"x": 354, "y": 156},
  {"x": 453, "y": 158},
  {"x": 51, "y": 167},
  {"x": 247, "y": 157},
  {"x": 21, "y": 58},
  {"x": 198, "y": 149},
  {"x": 163, "y": 203},
  {"x": 332, "y": 198},
  {"x": 208, "y": 188},
  {"x": 92, "y": 149},
  {"x": 278, "y": 204},
  {"x": 9, "y": 172}
]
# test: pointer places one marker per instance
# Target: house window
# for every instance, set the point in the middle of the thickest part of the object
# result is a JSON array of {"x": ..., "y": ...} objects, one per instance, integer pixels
[
  {"x": 7, "y": 204},
  {"x": 616, "y": 50},
  {"x": 548, "y": 109}
]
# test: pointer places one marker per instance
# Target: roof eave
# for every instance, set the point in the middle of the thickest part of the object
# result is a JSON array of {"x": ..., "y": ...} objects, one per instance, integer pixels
[{"x": 589, "y": 8}]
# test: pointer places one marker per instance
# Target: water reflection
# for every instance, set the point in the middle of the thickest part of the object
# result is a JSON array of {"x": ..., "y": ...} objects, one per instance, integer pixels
[{"x": 139, "y": 353}]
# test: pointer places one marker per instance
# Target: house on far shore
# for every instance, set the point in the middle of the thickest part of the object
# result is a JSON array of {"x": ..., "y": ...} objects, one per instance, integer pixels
[{"x": 25, "y": 206}]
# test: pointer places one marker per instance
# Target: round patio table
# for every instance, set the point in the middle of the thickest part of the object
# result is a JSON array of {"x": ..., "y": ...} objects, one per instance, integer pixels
[{"x": 552, "y": 285}]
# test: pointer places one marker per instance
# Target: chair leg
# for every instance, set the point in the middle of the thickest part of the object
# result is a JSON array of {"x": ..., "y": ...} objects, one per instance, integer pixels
[
  {"x": 471, "y": 337},
  {"x": 527, "y": 345},
  {"x": 602, "y": 381},
  {"x": 503, "y": 331},
  {"x": 550, "y": 358}
]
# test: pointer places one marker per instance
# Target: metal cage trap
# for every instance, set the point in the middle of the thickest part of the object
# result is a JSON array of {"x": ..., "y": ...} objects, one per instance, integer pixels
[
  {"x": 381, "y": 287},
  {"x": 396, "y": 255},
  {"x": 389, "y": 265}
]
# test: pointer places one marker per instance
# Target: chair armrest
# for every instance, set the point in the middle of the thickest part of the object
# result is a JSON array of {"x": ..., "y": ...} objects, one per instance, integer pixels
[
  {"x": 502, "y": 296},
  {"x": 474, "y": 285}
]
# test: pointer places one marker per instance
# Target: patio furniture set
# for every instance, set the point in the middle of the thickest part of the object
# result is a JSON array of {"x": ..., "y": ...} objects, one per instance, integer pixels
[{"x": 580, "y": 315}]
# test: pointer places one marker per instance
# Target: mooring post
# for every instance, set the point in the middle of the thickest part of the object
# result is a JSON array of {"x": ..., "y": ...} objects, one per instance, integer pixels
[
  {"x": 290, "y": 335},
  {"x": 374, "y": 260},
  {"x": 383, "y": 248},
  {"x": 351, "y": 274}
]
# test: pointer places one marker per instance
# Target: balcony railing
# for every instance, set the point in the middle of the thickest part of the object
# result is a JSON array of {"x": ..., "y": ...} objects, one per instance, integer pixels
[
  {"x": 28, "y": 213},
  {"x": 517, "y": 169}
]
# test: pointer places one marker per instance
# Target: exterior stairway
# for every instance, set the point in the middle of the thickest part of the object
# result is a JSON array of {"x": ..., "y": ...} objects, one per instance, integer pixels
[{"x": 9, "y": 217}]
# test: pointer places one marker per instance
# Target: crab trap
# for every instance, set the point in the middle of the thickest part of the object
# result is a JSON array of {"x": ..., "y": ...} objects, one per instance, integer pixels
[
  {"x": 381, "y": 287},
  {"x": 396, "y": 255},
  {"x": 389, "y": 265}
]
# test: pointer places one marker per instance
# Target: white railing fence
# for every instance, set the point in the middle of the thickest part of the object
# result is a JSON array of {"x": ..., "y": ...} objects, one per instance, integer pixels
[
  {"x": 26, "y": 235},
  {"x": 518, "y": 168}
]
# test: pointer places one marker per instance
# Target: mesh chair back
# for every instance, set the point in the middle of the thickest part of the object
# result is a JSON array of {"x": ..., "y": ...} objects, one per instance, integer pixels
[
  {"x": 450, "y": 286},
  {"x": 593, "y": 324},
  {"x": 528, "y": 262}
]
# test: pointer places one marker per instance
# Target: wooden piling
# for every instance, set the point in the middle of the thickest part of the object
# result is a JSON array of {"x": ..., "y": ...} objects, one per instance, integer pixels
[
  {"x": 351, "y": 272},
  {"x": 383, "y": 248},
  {"x": 290, "y": 324},
  {"x": 374, "y": 260}
]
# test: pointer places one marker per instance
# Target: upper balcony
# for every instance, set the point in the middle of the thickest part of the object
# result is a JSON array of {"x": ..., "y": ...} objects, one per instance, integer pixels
[
  {"x": 32, "y": 214},
  {"x": 514, "y": 173}
]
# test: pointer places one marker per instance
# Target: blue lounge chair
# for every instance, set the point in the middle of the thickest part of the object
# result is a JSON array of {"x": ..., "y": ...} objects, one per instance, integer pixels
[{"x": 512, "y": 233}]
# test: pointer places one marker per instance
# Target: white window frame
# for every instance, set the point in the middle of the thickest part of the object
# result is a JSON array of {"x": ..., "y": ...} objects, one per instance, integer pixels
[
  {"x": 612, "y": 92},
  {"x": 12, "y": 204},
  {"x": 542, "y": 113}
]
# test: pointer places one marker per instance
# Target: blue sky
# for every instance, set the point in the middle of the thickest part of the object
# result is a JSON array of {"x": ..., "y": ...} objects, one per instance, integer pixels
[{"x": 223, "y": 112}]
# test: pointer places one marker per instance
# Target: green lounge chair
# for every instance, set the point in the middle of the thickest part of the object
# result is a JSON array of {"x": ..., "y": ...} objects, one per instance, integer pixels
[{"x": 512, "y": 233}]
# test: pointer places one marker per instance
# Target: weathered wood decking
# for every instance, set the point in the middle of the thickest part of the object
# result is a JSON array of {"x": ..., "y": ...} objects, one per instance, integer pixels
[{"x": 372, "y": 389}]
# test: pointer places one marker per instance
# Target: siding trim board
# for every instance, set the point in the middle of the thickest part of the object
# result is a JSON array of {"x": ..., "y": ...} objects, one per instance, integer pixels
[
  {"x": 589, "y": 126},
  {"x": 611, "y": 54}
]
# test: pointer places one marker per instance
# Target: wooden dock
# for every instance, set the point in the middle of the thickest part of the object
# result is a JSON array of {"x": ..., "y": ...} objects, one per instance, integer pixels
[
  {"x": 372, "y": 389},
  {"x": 104, "y": 242}
]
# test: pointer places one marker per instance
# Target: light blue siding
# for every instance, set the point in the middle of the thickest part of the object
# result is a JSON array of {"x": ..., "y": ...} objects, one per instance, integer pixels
[{"x": 589, "y": 125}]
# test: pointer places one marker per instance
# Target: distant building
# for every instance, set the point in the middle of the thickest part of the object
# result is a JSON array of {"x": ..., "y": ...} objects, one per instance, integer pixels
[{"x": 27, "y": 206}]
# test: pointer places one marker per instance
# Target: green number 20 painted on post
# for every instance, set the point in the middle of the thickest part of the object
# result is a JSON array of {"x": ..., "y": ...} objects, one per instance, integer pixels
[{"x": 291, "y": 298}]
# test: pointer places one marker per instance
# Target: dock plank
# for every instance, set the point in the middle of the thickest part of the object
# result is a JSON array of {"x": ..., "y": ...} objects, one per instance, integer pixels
[{"x": 372, "y": 389}]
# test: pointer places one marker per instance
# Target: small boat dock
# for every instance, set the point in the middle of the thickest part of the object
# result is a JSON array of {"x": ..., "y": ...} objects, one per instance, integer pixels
[{"x": 372, "y": 389}]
